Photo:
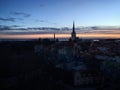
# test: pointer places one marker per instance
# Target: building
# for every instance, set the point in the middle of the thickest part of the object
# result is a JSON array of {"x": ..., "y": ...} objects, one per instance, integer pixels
[{"x": 73, "y": 34}]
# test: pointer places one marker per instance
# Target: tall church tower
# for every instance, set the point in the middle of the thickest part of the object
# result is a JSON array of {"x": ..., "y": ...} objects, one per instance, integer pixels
[{"x": 73, "y": 34}]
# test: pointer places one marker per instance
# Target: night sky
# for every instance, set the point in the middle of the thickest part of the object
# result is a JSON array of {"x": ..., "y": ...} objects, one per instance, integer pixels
[{"x": 59, "y": 13}]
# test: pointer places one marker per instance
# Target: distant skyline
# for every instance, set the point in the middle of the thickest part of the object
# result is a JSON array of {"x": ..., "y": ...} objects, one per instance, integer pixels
[{"x": 59, "y": 13}]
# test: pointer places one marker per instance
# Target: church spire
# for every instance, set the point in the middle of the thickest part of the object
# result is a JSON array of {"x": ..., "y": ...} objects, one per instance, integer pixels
[
  {"x": 73, "y": 26},
  {"x": 73, "y": 34}
]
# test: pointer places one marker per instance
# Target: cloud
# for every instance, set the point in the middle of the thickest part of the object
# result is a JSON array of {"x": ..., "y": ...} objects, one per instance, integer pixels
[
  {"x": 21, "y": 14},
  {"x": 5, "y": 27},
  {"x": 40, "y": 21},
  {"x": 7, "y": 19},
  {"x": 45, "y": 21},
  {"x": 15, "y": 26},
  {"x": 41, "y": 5},
  {"x": 20, "y": 19}
]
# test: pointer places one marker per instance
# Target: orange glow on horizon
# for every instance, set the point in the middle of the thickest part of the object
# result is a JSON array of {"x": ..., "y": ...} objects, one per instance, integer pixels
[{"x": 36, "y": 36}]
